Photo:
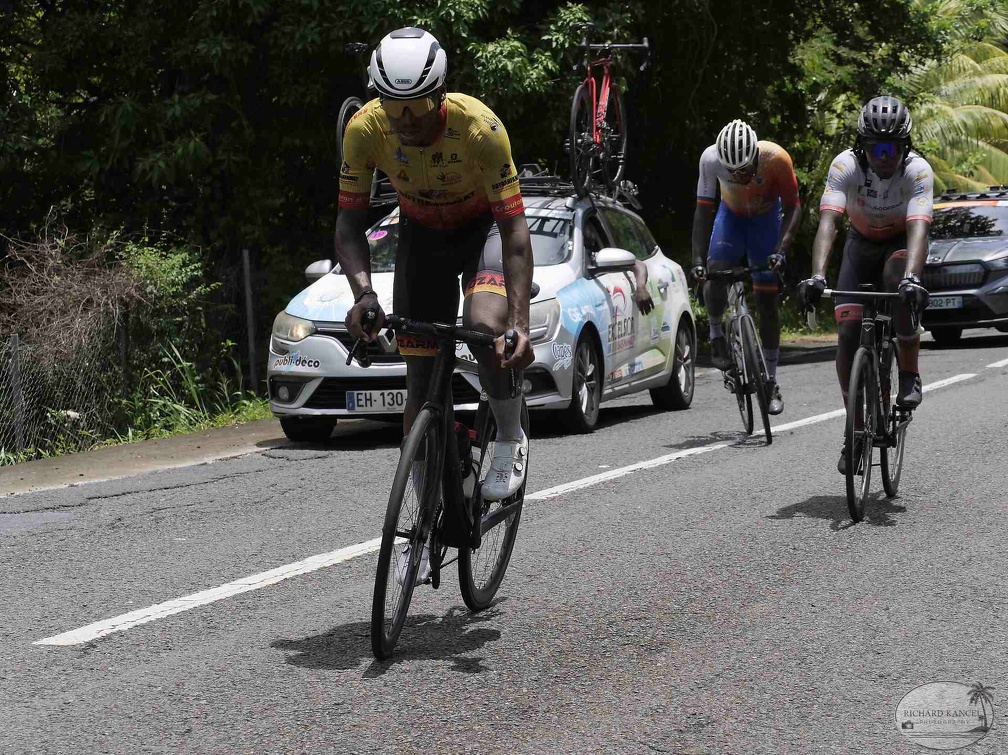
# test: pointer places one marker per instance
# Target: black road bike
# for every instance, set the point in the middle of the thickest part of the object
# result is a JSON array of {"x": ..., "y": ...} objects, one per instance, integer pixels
[
  {"x": 436, "y": 501},
  {"x": 873, "y": 418},
  {"x": 748, "y": 375}
]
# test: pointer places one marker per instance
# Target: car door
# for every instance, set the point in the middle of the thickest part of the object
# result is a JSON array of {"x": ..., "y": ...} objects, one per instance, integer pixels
[
  {"x": 647, "y": 356},
  {"x": 616, "y": 321},
  {"x": 662, "y": 321}
]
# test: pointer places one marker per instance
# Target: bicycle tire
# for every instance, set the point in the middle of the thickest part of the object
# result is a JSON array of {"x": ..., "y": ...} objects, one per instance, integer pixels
[
  {"x": 614, "y": 141},
  {"x": 742, "y": 396},
  {"x": 581, "y": 141},
  {"x": 891, "y": 456},
  {"x": 347, "y": 111},
  {"x": 477, "y": 582},
  {"x": 861, "y": 399},
  {"x": 422, "y": 442},
  {"x": 757, "y": 373}
]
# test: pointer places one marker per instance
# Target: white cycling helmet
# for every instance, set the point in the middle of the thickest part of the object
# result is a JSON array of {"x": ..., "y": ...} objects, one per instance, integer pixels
[
  {"x": 736, "y": 145},
  {"x": 408, "y": 63}
]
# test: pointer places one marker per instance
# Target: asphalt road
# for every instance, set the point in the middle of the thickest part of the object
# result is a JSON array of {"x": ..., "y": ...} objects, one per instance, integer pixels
[{"x": 718, "y": 602}]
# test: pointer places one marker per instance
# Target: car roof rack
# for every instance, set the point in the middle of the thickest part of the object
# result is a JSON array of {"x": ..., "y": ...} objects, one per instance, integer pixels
[
  {"x": 991, "y": 192},
  {"x": 534, "y": 179}
]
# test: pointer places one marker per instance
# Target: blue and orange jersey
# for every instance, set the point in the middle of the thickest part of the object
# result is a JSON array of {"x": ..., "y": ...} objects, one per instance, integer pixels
[
  {"x": 467, "y": 171},
  {"x": 774, "y": 180}
]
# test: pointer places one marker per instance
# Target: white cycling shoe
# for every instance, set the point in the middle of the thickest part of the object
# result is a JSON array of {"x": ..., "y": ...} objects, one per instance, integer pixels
[
  {"x": 507, "y": 469},
  {"x": 403, "y": 561}
]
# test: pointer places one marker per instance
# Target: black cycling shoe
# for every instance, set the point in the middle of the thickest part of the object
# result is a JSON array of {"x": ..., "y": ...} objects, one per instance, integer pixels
[
  {"x": 910, "y": 392},
  {"x": 719, "y": 353},
  {"x": 842, "y": 464},
  {"x": 776, "y": 403}
]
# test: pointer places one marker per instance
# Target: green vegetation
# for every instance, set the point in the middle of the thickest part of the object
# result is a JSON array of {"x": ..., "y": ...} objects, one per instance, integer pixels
[{"x": 168, "y": 137}]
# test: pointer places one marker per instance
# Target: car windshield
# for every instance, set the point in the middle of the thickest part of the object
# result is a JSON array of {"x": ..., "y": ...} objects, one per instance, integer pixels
[
  {"x": 969, "y": 221},
  {"x": 550, "y": 233}
]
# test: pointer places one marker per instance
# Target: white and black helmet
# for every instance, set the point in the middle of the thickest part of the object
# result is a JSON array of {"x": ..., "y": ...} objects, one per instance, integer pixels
[
  {"x": 736, "y": 145},
  {"x": 408, "y": 63},
  {"x": 885, "y": 117}
]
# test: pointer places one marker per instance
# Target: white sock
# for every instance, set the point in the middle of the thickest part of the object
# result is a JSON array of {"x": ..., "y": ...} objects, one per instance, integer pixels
[{"x": 507, "y": 412}]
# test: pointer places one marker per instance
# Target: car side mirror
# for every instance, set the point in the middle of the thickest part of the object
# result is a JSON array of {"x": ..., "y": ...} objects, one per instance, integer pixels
[
  {"x": 318, "y": 269},
  {"x": 612, "y": 260}
]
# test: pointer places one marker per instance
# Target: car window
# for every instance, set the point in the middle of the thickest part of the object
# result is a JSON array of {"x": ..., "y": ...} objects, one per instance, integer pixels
[
  {"x": 593, "y": 236},
  {"x": 966, "y": 221},
  {"x": 551, "y": 236},
  {"x": 625, "y": 233},
  {"x": 648, "y": 240}
]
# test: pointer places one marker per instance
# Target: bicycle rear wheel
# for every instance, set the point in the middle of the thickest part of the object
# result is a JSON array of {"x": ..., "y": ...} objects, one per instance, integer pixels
[
  {"x": 757, "y": 373},
  {"x": 859, "y": 441},
  {"x": 582, "y": 142},
  {"x": 742, "y": 396},
  {"x": 347, "y": 111},
  {"x": 481, "y": 571},
  {"x": 614, "y": 141},
  {"x": 408, "y": 520},
  {"x": 892, "y": 455}
]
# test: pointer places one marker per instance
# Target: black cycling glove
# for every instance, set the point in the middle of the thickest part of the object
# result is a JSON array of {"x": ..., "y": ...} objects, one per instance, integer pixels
[
  {"x": 810, "y": 291},
  {"x": 913, "y": 293}
]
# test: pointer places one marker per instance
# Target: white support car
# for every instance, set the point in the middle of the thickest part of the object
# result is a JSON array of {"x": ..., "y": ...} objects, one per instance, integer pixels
[{"x": 591, "y": 342}]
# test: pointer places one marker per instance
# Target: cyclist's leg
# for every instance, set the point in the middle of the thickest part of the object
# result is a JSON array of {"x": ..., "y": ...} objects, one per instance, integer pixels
[
  {"x": 763, "y": 232},
  {"x": 907, "y": 336},
  {"x": 727, "y": 249},
  {"x": 485, "y": 310},
  {"x": 425, "y": 288}
]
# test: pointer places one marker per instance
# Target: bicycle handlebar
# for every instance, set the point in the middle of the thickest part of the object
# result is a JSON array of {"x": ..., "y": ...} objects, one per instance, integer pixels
[
  {"x": 738, "y": 273},
  {"x": 832, "y": 293}
]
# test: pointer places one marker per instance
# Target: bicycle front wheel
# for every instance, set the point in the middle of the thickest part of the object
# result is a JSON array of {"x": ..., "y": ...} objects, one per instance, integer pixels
[
  {"x": 892, "y": 455},
  {"x": 408, "y": 521},
  {"x": 481, "y": 571},
  {"x": 582, "y": 141},
  {"x": 742, "y": 395},
  {"x": 756, "y": 372},
  {"x": 859, "y": 435},
  {"x": 348, "y": 110}
]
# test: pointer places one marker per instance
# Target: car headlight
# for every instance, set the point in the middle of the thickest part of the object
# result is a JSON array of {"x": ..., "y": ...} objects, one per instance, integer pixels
[
  {"x": 998, "y": 263},
  {"x": 290, "y": 328},
  {"x": 544, "y": 320}
]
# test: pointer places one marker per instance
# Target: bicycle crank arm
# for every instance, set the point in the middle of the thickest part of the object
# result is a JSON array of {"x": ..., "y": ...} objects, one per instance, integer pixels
[{"x": 499, "y": 515}]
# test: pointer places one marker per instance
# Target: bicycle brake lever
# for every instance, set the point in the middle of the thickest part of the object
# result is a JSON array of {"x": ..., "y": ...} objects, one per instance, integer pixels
[{"x": 510, "y": 342}]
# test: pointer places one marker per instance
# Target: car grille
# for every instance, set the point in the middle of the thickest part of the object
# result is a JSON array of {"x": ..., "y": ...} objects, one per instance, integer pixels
[
  {"x": 374, "y": 349},
  {"x": 953, "y": 276},
  {"x": 331, "y": 393}
]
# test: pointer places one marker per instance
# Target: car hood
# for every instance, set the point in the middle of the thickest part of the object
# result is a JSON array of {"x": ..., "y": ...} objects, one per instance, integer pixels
[
  {"x": 965, "y": 250},
  {"x": 329, "y": 298}
]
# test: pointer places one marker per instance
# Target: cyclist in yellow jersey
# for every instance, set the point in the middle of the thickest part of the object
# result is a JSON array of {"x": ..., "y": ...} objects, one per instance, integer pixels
[{"x": 449, "y": 159}]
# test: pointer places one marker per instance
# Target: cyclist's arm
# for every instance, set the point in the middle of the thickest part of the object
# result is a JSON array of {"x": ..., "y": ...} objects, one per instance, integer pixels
[
  {"x": 706, "y": 205},
  {"x": 918, "y": 220},
  {"x": 516, "y": 247},
  {"x": 822, "y": 247},
  {"x": 788, "y": 188},
  {"x": 917, "y": 245},
  {"x": 352, "y": 249}
]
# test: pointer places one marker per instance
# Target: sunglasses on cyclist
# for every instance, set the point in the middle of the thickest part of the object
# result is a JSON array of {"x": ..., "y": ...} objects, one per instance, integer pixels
[
  {"x": 884, "y": 150},
  {"x": 419, "y": 107}
]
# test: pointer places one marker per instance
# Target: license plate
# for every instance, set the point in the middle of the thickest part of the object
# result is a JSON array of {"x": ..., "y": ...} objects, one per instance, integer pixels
[
  {"x": 946, "y": 302},
  {"x": 392, "y": 400}
]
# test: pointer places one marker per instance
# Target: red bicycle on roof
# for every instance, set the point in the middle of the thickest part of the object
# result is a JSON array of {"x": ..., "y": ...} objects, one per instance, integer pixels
[{"x": 598, "y": 127}]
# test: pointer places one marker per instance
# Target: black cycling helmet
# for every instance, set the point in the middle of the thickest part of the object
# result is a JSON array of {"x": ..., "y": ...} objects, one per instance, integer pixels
[{"x": 885, "y": 117}]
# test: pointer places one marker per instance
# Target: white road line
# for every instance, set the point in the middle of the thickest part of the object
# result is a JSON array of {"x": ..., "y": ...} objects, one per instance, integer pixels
[
  {"x": 322, "y": 560},
  {"x": 996, "y": 365}
]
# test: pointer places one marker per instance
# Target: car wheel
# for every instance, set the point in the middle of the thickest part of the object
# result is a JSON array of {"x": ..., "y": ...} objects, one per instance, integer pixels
[
  {"x": 586, "y": 387},
  {"x": 677, "y": 393},
  {"x": 308, "y": 429},
  {"x": 946, "y": 336}
]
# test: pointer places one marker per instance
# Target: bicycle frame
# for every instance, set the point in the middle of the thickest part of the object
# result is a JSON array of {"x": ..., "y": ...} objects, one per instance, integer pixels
[{"x": 600, "y": 92}]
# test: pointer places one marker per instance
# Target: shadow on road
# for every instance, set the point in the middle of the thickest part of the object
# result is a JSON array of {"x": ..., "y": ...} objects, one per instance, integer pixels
[
  {"x": 834, "y": 508},
  {"x": 424, "y": 637},
  {"x": 991, "y": 341}
]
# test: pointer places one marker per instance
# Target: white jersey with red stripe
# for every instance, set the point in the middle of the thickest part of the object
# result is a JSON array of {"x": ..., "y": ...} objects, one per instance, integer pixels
[{"x": 879, "y": 208}]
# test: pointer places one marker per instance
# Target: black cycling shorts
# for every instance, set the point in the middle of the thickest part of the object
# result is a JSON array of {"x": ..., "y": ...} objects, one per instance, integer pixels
[
  {"x": 864, "y": 261},
  {"x": 427, "y": 269}
]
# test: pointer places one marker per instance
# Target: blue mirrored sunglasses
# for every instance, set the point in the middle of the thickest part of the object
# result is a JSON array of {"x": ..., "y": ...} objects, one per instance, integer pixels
[{"x": 883, "y": 150}]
